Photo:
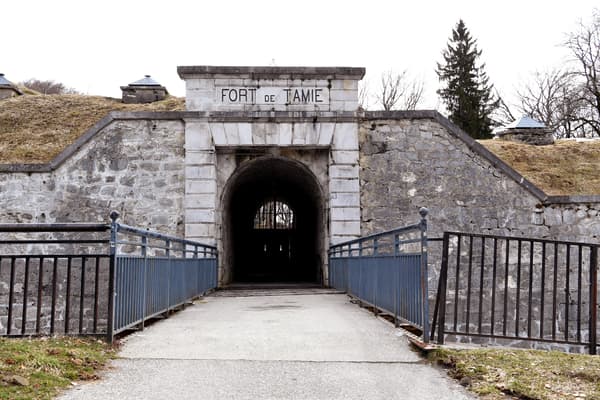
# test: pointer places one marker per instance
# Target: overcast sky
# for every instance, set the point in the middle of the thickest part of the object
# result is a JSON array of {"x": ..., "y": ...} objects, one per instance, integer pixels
[{"x": 95, "y": 47}]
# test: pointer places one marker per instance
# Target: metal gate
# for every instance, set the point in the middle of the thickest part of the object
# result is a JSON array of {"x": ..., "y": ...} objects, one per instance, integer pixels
[
  {"x": 517, "y": 289},
  {"x": 388, "y": 271}
]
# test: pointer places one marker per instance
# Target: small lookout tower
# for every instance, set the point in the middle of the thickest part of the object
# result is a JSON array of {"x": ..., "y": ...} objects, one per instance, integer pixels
[
  {"x": 7, "y": 89},
  {"x": 145, "y": 90},
  {"x": 526, "y": 130}
]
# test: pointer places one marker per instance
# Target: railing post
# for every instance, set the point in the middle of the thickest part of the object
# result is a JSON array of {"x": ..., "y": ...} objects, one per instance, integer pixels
[
  {"x": 145, "y": 272},
  {"x": 424, "y": 274},
  {"x": 170, "y": 274},
  {"x": 396, "y": 280},
  {"x": 199, "y": 271},
  {"x": 441, "y": 295},
  {"x": 114, "y": 228},
  {"x": 593, "y": 298}
]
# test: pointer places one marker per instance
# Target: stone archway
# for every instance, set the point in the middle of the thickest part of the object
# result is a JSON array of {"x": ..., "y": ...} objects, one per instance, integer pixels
[{"x": 273, "y": 223}]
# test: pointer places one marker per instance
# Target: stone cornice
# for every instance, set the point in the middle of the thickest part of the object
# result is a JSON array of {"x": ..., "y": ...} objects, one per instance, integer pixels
[{"x": 209, "y": 71}]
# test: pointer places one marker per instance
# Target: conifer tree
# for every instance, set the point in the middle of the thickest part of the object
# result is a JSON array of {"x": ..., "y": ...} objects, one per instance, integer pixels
[{"x": 467, "y": 92}]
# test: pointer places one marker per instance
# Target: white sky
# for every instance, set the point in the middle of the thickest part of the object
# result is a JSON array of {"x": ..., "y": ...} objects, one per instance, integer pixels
[{"x": 96, "y": 47}]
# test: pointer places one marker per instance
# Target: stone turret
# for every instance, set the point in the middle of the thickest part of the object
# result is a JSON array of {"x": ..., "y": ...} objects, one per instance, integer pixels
[
  {"x": 526, "y": 130},
  {"x": 145, "y": 90},
  {"x": 8, "y": 89}
]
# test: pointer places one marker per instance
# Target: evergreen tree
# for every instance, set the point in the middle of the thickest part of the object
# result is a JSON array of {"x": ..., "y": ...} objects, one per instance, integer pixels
[{"x": 467, "y": 93}]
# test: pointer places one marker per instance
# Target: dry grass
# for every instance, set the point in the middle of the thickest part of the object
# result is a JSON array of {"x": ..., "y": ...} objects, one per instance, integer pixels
[
  {"x": 523, "y": 374},
  {"x": 564, "y": 168},
  {"x": 36, "y": 128},
  {"x": 40, "y": 368}
]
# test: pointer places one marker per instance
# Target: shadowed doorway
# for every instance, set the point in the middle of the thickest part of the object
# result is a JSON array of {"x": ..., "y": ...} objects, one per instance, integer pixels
[{"x": 273, "y": 220}]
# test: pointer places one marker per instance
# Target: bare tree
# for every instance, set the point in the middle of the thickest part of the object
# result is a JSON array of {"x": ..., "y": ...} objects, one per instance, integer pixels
[
  {"x": 47, "y": 86},
  {"x": 364, "y": 95},
  {"x": 554, "y": 98},
  {"x": 398, "y": 90},
  {"x": 585, "y": 49},
  {"x": 503, "y": 114}
]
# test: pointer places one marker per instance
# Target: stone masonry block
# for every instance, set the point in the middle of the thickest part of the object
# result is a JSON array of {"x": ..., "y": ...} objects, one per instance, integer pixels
[
  {"x": 245, "y": 133},
  {"x": 326, "y": 133},
  {"x": 232, "y": 135},
  {"x": 199, "y": 231},
  {"x": 229, "y": 82},
  {"x": 195, "y": 84},
  {"x": 344, "y": 200},
  {"x": 285, "y": 134},
  {"x": 345, "y": 228},
  {"x": 198, "y": 104},
  {"x": 552, "y": 216},
  {"x": 336, "y": 239},
  {"x": 344, "y": 157},
  {"x": 194, "y": 216},
  {"x": 345, "y": 137},
  {"x": 199, "y": 157},
  {"x": 200, "y": 186},
  {"x": 343, "y": 171},
  {"x": 197, "y": 136},
  {"x": 345, "y": 213},
  {"x": 350, "y": 105},
  {"x": 344, "y": 185},
  {"x": 312, "y": 134},
  {"x": 345, "y": 85},
  {"x": 208, "y": 201},
  {"x": 299, "y": 134},
  {"x": 272, "y": 134},
  {"x": 343, "y": 95},
  {"x": 337, "y": 106},
  {"x": 217, "y": 131},
  {"x": 200, "y": 172}
]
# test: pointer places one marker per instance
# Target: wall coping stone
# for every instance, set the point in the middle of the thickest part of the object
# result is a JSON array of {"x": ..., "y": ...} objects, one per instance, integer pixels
[{"x": 260, "y": 72}]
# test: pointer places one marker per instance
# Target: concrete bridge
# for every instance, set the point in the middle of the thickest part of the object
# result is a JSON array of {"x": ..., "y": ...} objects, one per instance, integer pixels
[{"x": 270, "y": 344}]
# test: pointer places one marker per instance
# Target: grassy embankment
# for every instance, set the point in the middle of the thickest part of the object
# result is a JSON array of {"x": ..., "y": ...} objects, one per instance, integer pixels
[{"x": 36, "y": 128}]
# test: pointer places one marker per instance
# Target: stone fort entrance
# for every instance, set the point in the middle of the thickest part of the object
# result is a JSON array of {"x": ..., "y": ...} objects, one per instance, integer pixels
[
  {"x": 271, "y": 173},
  {"x": 274, "y": 214}
]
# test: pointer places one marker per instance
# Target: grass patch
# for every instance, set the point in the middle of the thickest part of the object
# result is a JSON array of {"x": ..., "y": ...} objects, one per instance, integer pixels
[
  {"x": 566, "y": 167},
  {"x": 36, "y": 128},
  {"x": 41, "y": 368},
  {"x": 523, "y": 374}
]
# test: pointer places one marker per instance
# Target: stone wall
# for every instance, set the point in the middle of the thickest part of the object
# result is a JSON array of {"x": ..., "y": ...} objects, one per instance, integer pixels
[
  {"x": 134, "y": 166},
  {"x": 130, "y": 163},
  {"x": 418, "y": 159}
]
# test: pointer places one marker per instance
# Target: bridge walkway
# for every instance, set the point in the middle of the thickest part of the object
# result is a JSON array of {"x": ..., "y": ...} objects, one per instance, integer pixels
[{"x": 270, "y": 344}]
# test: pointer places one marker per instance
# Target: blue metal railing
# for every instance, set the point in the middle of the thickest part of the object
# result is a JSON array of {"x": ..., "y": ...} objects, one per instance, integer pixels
[
  {"x": 387, "y": 270},
  {"x": 167, "y": 272}
]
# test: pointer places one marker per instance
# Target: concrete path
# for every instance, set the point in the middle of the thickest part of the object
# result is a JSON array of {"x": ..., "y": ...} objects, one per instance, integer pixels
[{"x": 287, "y": 346}]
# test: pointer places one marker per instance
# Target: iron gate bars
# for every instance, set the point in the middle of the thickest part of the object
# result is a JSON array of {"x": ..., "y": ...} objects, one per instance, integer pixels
[
  {"x": 53, "y": 279},
  {"x": 521, "y": 289},
  {"x": 388, "y": 271}
]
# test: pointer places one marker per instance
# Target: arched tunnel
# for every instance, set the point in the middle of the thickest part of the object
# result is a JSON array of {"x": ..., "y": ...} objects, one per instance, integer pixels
[{"x": 273, "y": 223}]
